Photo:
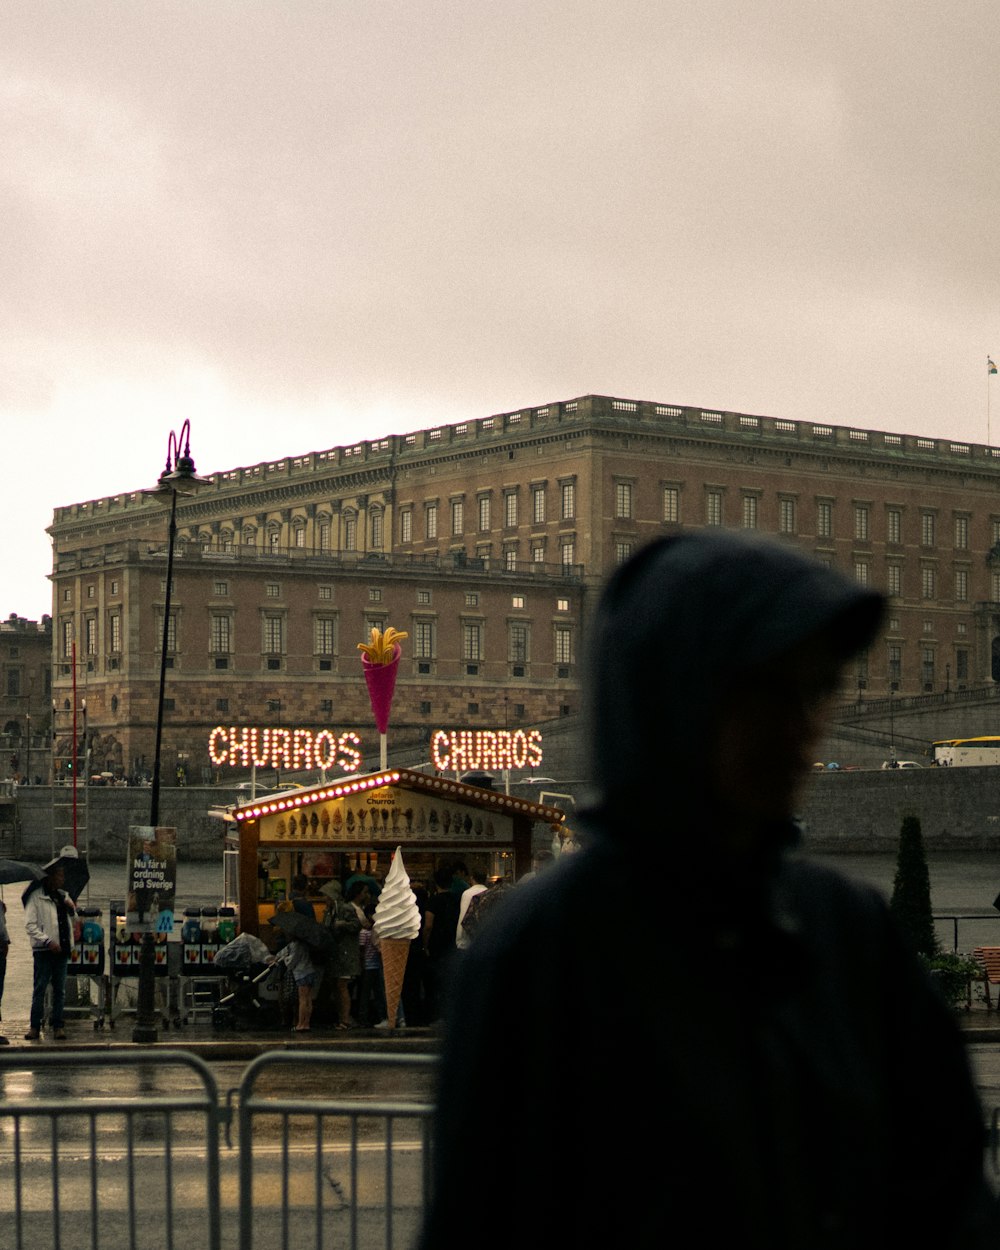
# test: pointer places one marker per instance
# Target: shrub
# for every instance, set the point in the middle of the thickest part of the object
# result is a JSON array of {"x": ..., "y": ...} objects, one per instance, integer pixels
[{"x": 911, "y": 890}]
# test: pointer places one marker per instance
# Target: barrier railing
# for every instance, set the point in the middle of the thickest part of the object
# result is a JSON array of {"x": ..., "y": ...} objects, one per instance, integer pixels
[
  {"x": 93, "y": 1154},
  {"x": 352, "y": 1168}
]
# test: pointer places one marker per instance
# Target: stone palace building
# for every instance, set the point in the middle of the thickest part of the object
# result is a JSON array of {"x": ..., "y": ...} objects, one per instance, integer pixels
[{"x": 486, "y": 541}]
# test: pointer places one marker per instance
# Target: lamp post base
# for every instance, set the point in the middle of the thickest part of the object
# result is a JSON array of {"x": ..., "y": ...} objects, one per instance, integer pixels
[{"x": 146, "y": 1032}]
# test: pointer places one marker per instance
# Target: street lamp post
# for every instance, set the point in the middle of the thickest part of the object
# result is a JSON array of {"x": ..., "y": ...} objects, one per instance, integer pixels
[{"x": 178, "y": 474}]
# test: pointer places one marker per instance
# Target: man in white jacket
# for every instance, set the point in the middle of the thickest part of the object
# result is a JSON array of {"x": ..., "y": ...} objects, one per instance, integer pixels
[{"x": 47, "y": 912}]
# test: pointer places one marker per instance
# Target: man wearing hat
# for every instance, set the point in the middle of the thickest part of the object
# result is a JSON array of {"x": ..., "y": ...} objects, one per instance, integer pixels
[{"x": 47, "y": 912}]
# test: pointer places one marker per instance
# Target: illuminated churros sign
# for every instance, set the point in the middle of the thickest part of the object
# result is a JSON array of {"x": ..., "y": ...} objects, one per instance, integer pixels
[
  {"x": 464, "y": 749},
  {"x": 292, "y": 749}
]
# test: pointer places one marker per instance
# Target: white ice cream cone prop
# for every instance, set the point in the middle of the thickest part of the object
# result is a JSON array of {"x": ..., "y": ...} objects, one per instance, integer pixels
[
  {"x": 397, "y": 923},
  {"x": 395, "y": 952}
]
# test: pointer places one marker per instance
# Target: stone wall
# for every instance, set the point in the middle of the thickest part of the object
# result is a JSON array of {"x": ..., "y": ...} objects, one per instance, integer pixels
[{"x": 959, "y": 809}]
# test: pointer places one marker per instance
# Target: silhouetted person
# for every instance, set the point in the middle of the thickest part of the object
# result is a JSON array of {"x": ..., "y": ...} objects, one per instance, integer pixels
[{"x": 785, "y": 1075}]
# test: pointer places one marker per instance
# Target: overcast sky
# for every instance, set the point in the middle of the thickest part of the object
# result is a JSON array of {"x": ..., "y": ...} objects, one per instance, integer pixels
[{"x": 301, "y": 224}]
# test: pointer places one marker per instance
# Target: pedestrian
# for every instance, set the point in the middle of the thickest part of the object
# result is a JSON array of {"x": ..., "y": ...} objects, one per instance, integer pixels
[
  {"x": 47, "y": 919},
  {"x": 345, "y": 962},
  {"x": 4, "y": 948},
  {"x": 787, "y": 1076}
]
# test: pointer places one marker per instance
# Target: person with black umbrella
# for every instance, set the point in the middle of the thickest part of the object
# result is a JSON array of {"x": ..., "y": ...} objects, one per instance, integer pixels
[
  {"x": 4, "y": 948},
  {"x": 47, "y": 919}
]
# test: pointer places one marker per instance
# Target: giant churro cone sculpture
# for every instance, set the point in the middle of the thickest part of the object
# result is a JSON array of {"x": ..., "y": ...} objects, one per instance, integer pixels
[
  {"x": 380, "y": 662},
  {"x": 397, "y": 923}
]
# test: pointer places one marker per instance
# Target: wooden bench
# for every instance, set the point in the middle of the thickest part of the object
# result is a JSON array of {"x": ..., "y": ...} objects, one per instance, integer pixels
[{"x": 988, "y": 959}]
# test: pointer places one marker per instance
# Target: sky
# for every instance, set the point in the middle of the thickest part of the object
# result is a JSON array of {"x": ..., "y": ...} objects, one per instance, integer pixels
[{"x": 302, "y": 223}]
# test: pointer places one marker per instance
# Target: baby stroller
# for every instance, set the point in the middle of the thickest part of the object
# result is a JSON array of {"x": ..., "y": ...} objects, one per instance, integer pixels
[{"x": 252, "y": 999}]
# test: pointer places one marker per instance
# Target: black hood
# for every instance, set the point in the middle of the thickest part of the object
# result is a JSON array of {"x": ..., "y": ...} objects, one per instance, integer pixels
[{"x": 674, "y": 627}]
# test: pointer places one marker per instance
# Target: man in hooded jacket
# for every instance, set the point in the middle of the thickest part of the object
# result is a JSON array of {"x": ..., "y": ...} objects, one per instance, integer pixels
[{"x": 780, "y": 1073}]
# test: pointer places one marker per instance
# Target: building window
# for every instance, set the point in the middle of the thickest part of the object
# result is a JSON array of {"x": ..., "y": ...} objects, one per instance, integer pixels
[
  {"x": 623, "y": 549},
  {"x": 517, "y": 601},
  {"x": 824, "y": 519},
  {"x": 222, "y": 705},
  {"x": 90, "y": 635},
  {"x": 861, "y": 526},
  {"x": 377, "y": 528},
  {"x": 472, "y": 599},
  {"x": 171, "y": 631},
  {"x": 67, "y": 638},
  {"x": 510, "y": 559},
  {"x": 895, "y": 666},
  {"x": 961, "y": 585},
  {"x": 961, "y": 628},
  {"x": 484, "y": 512},
  {"x": 220, "y": 634},
  {"x": 894, "y": 526},
  {"x": 457, "y": 517},
  {"x": 425, "y": 707},
  {"x": 962, "y": 532},
  {"x": 423, "y": 597},
  {"x": 994, "y": 589},
  {"x": 749, "y": 512},
  {"x": 861, "y": 572},
  {"x": 326, "y": 592},
  {"x": 272, "y": 590},
  {"x": 567, "y": 553},
  {"x": 927, "y": 527},
  {"x": 671, "y": 503},
  {"x": 713, "y": 507},
  {"x": 472, "y": 641},
  {"x": 538, "y": 504},
  {"x": 300, "y": 535},
  {"x": 927, "y": 667},
  {"x": 786, "y": 516},
  {"x": 928, "y": 583},
  {"x": 623, "y": 501},
  {"x": 274, "y": 539},
  {"x": 994, "y": 533},
  {"x": 563, "y": 643},
  {"x": 562, "y": 605},
  {"x": 510, "y": 509},
  {"x": 221, "y": 589},
  {"x": 324, "y": 629},
  {"x": 431, "y": 521},
  {"x": 350, "y": 533},
  {"x": 423, "y": 640},
  {"x": 928, "y": 627},
  {"x": 67, "y": 595},
  {"x": 517, "y": 642},
  {"x": 961, "y": 665},
  {"x": 114, "y": 588},
  {"x": 406, "y": 525},
  {"x": 893, "y": 579},
  {"x": 90, "y": 592},
  {"x": 538, "y": 551},
  {"x": 274, "y": 633},
  {"x": 374, "y": 594},
  {"x": 567, "y": 501},
  {"x": 115, "y": 632},
  {"x": 324, "y": 535}
]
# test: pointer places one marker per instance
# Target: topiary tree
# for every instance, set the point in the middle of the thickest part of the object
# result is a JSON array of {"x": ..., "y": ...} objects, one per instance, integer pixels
[{"x": 911, "y": 889}]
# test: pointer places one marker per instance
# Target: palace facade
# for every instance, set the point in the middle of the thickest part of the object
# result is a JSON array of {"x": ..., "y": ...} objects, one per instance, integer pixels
[{"x": 486, "y": 541}]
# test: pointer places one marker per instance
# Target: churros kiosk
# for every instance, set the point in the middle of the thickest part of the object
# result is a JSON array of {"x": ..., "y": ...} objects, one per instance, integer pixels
[{"x": 333, "y": 829}]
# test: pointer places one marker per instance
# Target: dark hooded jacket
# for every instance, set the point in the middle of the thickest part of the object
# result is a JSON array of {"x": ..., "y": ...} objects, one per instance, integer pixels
[{"x": 651, "y": 1041}]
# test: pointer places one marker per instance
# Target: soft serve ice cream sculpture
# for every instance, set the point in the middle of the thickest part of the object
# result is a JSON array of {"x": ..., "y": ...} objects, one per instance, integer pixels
[{"x": 397, "y": 923}]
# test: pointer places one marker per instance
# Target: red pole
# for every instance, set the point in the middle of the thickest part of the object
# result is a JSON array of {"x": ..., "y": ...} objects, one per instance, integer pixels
[{"x": 76, "y": 758}]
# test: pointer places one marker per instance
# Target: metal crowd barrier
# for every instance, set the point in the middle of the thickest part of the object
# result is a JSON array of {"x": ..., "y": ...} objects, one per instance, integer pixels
[
  {"x": 349, "y": 1170},
  {"x": 123, "y": 1150},
  {"x": 99, "y": 1158}
]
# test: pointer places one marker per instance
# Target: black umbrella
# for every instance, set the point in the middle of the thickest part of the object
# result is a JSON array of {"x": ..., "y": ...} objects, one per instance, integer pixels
[
  {"x": 12, "y": 870},
  {"x": 295, "y": 925},
  {"x": 76, "y": 874}
]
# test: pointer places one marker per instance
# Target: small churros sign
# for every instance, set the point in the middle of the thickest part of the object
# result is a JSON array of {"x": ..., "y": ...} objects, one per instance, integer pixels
[{"x": 461, "y": 750}]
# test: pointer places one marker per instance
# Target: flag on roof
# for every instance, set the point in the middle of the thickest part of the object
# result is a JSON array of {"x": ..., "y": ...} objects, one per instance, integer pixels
[{"x": 990, "y": 366}]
